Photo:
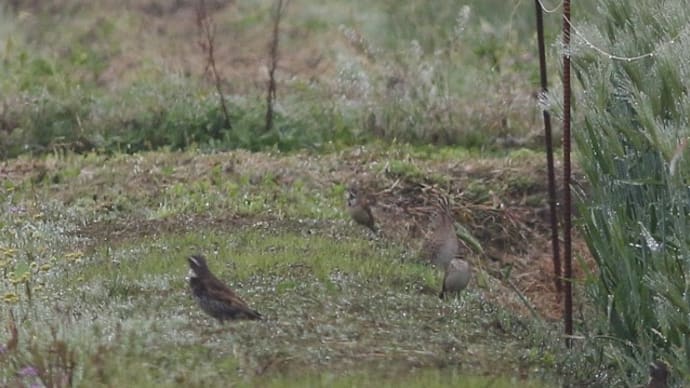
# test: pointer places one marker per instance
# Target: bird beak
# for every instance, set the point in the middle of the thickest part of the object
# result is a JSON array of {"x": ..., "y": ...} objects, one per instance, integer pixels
[{"x": 191, "y": 274}]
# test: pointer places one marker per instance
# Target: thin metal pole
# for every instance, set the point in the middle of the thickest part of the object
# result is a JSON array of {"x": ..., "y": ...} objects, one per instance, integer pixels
[
  {"x": 567, "y": 219},
  {"x": 548, "y": 139}
]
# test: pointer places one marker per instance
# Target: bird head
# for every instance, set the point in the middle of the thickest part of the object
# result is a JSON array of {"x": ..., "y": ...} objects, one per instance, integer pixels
[
  {"x": 351, "y": 197},
  {"x": 197, "y": 266}
]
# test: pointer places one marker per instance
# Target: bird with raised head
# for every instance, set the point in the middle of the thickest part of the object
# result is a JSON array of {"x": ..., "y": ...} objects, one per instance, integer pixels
[
  {"x": 213, "y": 296},
  {"x": 456, "y": 278},
  {"x": 360, "y": 210},
  {"x": 442, "y": 247},
  {"x": 441, "y": 244},
  {"x": 658, "y": 373}
]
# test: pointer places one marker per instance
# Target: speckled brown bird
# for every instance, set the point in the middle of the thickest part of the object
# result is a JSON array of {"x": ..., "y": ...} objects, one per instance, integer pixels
[
  {"x": 658, "y": 373},
  {"x": 360, "y": 210},
  {"x": 441, "y": 244},
  {"x": 456, "y": 278},
  {"x": 215, "y": 298}
]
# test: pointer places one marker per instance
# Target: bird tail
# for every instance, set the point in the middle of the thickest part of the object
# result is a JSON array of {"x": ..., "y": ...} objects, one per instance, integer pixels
[{"x": 255, "y": 315}]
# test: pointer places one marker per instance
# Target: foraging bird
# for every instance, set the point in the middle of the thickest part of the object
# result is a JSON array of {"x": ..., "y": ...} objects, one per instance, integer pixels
[
  {"x": 658, "y": 372},
  {"x": 359, "y": 210},
  {"x": 441, "y": 244},
  {"x": 456, "y": 278},
  {"x": 214, "y": 297}
]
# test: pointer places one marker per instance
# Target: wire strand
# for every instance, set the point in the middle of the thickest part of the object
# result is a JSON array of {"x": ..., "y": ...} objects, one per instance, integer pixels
[
  {"x": 553, "y": 10},
  {"x": 610, "y": 55}
]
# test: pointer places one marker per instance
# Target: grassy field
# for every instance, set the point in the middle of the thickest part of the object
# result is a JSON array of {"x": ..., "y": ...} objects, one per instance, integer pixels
[
  {"x": 133, "y": 76},
  {"x": 93, "y": 262},
  {"x": 116, "y": 167}
]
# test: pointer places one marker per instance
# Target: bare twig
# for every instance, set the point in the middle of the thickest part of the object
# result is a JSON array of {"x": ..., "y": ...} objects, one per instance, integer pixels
[
  {"x": 278, "y": 12},
  {"x": 207, "y": 32}
]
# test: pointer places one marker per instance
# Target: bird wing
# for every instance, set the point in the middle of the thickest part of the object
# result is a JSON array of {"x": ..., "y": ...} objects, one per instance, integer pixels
[
  {"x": 371, "y": 224},
  {"x": 219, "y": 291},
  {"x": 232, "y": 302}
]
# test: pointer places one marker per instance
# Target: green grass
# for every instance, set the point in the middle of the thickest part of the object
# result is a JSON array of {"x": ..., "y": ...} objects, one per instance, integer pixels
[
  {"x": 340, "y": 304},
  {"x": 99, "y": 284},
  {"x": 94, "y": 231},
  {"x": 112, "y": 79},
  {"x": 635, "y": 223}
]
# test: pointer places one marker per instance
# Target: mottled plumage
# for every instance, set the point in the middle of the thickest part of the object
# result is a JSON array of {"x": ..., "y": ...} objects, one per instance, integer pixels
[
  {"x": 359, "y": 210},
  {"x": 456, "y": 278},
  {"x": 441, "y": 244},
  {"x": 214, "y": 297}
]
